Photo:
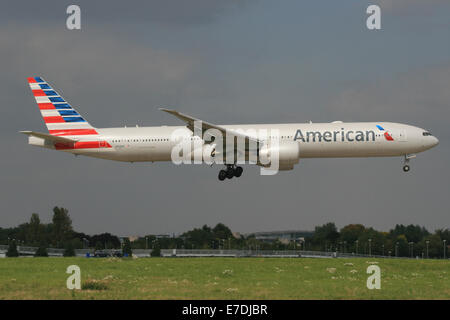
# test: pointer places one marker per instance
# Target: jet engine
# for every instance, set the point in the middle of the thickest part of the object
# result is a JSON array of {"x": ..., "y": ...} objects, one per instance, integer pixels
[{"x": 287, "y": 153}]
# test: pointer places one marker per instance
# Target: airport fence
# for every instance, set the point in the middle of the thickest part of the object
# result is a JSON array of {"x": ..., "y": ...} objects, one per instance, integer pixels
[
  {"x": 141, "y": 253},
  {"x": 265, "y": 254}
]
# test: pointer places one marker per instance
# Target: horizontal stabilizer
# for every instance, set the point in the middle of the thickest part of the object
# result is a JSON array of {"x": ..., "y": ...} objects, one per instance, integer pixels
[{"x": 48, "y": 136}]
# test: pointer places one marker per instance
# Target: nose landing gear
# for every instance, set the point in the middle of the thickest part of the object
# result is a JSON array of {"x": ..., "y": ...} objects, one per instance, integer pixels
[
  {"x": 406, "y": 167},
  {"x": 230, "y": 172}
]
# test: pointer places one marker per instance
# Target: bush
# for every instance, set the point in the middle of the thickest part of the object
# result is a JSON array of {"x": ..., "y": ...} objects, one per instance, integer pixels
[
  {"x": 69, "y": 250},
  {"x": 41, "y": 252},
  {"x": 156, "y": 252},
  {"x": 94, "y": 285},
  {"x": 12, "y": 250}
]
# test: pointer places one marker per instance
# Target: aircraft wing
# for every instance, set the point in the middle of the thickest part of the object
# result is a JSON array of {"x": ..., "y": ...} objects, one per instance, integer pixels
[
  {"x": 48, "y": 136},
  {"x": 191, "y": 122}
]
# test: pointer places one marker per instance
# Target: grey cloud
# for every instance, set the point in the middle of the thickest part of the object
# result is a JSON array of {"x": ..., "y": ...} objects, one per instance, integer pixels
[
  {"x": 419, "y": 95},
  {"x": 165, "y": 12},
  {"x": 410, "y": 6}
]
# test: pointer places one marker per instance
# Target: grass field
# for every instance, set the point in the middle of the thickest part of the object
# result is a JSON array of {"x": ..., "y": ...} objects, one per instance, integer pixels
[{"x": 223, "y": 278}]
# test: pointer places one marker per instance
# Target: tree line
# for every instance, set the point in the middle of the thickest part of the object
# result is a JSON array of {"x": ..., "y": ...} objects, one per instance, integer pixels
[{"x": 402, "y": 241}]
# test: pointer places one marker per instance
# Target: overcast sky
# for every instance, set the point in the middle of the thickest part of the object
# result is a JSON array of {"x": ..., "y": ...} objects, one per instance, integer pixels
[{"x": 226, "y": 62}]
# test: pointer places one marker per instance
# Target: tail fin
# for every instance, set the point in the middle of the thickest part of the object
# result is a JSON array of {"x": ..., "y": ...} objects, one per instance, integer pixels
[{"x": 59, "y": 117}]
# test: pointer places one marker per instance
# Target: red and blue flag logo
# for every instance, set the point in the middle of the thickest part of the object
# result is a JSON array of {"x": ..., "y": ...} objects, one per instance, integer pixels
[{"x": 386, "y": 134}]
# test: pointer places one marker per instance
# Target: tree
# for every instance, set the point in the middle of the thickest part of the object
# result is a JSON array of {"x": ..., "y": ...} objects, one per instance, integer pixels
[
  {"x": 352, "y": 232},
  {"x": 326, "y": 233},
  {"x": 127, "y": 248},
  {"x": 402, "y": 247},
  {"x": 200, "y": 238},
  {"x": 62, "y": 225},
  {"x": 12, "y": 250},
  {"x": 83, "y": 239},
  {"x": 376, "y": 243},
  {"x": 221, "y": 231},
  {"x": 99, "y": 245},
  {"x": 435, "y": 246},
  {"x": 34, "y": 229},
  {"x": 415, "y": 233},
  {"x": 105, "y": 240},
  {"x": 444, "y": 234},
  {"x": 411, "y": 232}
]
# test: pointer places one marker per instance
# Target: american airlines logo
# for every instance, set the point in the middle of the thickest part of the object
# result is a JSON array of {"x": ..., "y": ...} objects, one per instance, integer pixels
[
  {"x": 340, "y": 135},
  {"x": 334, "y": 136},
  {"x": 386, "y": 134}
]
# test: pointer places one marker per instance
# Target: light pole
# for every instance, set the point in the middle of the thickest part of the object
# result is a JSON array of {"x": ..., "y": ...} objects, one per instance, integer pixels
[
  {"x": 146, "y": 242},
  {"x": 345, "y": 246},
  {"x": 382, "y": 248},
  {"x": 370, "y": 247},
  {"x": 396, "y": 249},
  {"x": 427, "y": 242},
  {"x": 357, "y": 246},
  {"x": 412, "y": 248}
]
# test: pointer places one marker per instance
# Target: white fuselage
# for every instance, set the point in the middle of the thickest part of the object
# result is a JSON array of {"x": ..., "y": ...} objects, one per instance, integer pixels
[{"x": 316, "y": 140}]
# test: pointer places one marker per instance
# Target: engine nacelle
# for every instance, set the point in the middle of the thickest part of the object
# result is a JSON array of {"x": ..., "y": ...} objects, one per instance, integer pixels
[{"x": 286, "y": 152}]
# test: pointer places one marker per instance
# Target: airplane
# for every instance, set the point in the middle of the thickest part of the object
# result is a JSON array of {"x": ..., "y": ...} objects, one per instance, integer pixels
[{"x": 68, "y": 131}]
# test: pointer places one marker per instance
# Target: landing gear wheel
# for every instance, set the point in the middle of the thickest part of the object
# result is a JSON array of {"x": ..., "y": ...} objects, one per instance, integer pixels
[
  {"x": 222, "y": 175},
  {"x": 230, "y": 173},
  {"x": 406, "y": 168},
  {"x": 238, "y": 172}
]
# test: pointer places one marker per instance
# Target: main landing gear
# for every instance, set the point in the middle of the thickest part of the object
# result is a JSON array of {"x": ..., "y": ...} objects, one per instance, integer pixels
[
  {"x": 406, "y": 167},
  {"x": 230, "y": 172}
]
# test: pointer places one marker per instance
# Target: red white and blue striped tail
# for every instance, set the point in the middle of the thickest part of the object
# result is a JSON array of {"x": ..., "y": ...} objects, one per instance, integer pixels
[{"x": 59, "y": 117}]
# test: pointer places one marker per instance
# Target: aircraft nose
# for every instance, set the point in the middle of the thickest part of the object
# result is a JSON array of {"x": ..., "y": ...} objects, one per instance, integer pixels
[{"x": 435, "y": 142}]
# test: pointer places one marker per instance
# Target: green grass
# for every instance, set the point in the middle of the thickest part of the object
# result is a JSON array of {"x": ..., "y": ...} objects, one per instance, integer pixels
[{"x": 223, "y": 278}]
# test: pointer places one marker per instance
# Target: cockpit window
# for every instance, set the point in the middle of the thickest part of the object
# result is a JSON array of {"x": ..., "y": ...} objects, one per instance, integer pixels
[{"x": 426, "y": 133}]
